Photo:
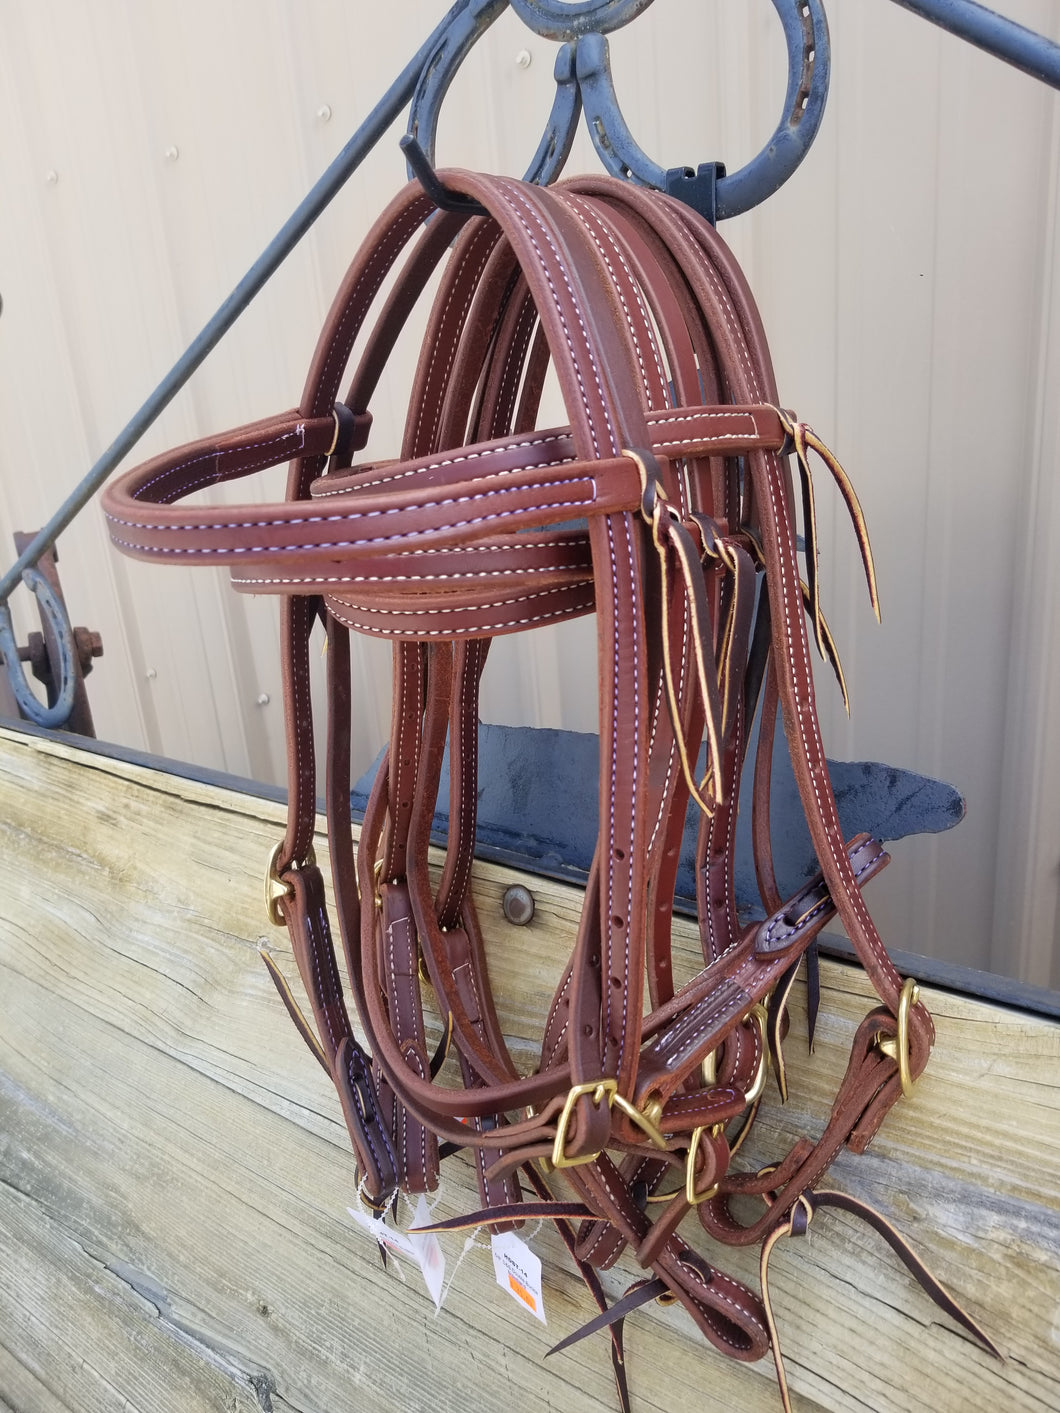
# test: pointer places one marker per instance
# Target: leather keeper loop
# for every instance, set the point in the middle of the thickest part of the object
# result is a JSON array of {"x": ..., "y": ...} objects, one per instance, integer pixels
[{"x": 352, "y": 430}]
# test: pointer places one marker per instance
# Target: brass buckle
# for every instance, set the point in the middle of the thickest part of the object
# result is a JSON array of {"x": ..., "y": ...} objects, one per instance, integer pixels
[
  {"x": 896, "y": 1047},
  {"x": 709, "y": 1067},
  {"x": 758, "y": 1084},
  {"x": 598, "y": 1088},
  {"x": 692, "y": 1197},
  {"x": 601, "y": 1090},
  {"x": 275, "y": 888},
  {"x": 647, "y": 1122}
]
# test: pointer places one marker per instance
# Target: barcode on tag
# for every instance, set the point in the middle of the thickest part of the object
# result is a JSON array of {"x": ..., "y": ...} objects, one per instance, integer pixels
[{"x": 518, "y": 1271}]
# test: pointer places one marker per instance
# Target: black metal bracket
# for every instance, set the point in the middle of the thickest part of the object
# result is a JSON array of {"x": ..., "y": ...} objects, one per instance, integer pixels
[
  {"x": 697, "y": 189},
  {"x": 424, "y": 173}
]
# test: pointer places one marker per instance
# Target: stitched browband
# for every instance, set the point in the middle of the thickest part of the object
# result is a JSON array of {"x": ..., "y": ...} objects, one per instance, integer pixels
[{"x": 673, "y": 469}]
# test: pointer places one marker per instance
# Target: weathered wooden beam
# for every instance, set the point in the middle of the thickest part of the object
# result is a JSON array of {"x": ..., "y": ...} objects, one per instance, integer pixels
[{"x": 174, "y": 1172}]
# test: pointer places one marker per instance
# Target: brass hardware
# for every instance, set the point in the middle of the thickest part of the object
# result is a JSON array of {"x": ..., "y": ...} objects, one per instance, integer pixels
[
  {"x": 692, "y": 1197},
  {"x": 709, "y": 1069},
  {"x": 275, "y": 888},
  {"x": 642, "y": 1121},
  {"x": 896, "y": 1047},
  {"x": 654, "y": 505},
  {"x": 600, "y": 1089},
  {"x": 653, "y": 1110},
  {"x": 759, "y": 1014}
]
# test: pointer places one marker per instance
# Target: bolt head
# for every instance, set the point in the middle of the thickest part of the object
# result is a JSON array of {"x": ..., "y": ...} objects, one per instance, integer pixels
[{"x": 518, "y": 905}]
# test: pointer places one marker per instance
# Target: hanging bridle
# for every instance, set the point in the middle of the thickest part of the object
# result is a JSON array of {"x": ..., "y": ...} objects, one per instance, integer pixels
[{"x": 665, "y": 505}]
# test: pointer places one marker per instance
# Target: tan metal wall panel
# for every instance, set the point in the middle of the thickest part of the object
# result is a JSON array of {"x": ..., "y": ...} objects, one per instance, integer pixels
[{"x": 907, "y": 277}]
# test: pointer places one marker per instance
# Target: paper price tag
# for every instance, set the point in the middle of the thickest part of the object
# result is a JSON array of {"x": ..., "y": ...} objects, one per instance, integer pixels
[
  {"x": 429, "y": 1254},
  {"x": 518, "y": 1271},
  {"x": 423, "y": 1250}
]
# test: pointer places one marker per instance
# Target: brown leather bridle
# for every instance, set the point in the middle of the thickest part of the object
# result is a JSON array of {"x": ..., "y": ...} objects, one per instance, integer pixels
[{"x": 674, "y": 468}]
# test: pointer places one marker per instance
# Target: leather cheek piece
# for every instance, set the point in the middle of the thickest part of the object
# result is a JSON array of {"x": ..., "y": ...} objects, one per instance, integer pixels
[{"x": 663, "y": 504}]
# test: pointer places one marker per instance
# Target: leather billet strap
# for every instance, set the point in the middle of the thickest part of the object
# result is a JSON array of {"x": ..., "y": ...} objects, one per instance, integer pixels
[{"x": 665, "y": 506}]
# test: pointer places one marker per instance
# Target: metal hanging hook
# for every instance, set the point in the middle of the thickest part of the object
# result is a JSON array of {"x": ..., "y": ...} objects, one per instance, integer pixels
[
  {"x": 421, "y": 169},
  {"x": 584, "y": 83}
]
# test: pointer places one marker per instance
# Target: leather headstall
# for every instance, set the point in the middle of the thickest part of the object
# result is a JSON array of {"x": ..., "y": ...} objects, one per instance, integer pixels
[{"x": 666, "y": 506}]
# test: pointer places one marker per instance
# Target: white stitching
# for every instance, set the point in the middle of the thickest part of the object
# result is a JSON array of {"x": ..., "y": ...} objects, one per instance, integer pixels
[
  {"x": 215, "y": 454},
  {"x": 478, "y": 629},
  {"x": 412, "y": 578},
  {"x": 453, "y": 282},
  {"x": 354, "y": 515},
  {"x": 351, "y": 484}
]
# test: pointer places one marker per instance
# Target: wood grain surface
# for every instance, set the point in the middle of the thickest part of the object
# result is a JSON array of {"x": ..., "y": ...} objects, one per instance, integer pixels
[{"x": 175, "y": 1174}]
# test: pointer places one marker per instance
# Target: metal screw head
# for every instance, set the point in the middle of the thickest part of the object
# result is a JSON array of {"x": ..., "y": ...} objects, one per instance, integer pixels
[{"x": 518, "y": 905}]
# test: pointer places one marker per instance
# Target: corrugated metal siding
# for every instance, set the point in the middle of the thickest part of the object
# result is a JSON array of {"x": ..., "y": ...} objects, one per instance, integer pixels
[{"x": 907, "y": 277}]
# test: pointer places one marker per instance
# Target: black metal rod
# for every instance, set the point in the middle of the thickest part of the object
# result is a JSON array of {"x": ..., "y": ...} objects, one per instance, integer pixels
[
  {"x": 1004, "y": 39},
  {"x": 397, "y": 97}
]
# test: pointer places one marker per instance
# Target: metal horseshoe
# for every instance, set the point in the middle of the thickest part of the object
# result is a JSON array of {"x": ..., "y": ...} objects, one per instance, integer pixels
[
  {"x": 584, "y": 81},
  {"x": 31, "y": 707}
]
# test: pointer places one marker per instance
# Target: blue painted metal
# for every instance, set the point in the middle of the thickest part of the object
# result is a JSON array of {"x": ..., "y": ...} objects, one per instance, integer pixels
[
  {"x": 556, "y": 141},
  {"x": 809, "y": 69},
  {"x": 449, "y": 48},
  {"x": 806, "y": 38},
  {"x": 584, "y": 82},
  {"x": 567, "y": 21},
  {"x": 809, "y": 73},
  {"x": 1004, "y": 39},
  {"x": 63, "y": 657}
]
